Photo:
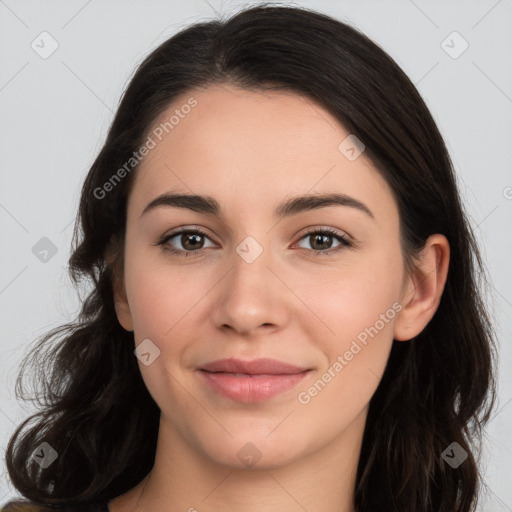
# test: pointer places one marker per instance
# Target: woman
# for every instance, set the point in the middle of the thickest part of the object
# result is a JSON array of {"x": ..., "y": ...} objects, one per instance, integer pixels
[{"x": 285, "y": 313}]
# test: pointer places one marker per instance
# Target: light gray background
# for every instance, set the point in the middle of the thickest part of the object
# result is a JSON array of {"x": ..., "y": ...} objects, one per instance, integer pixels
[{"x": 55, "y": 113}]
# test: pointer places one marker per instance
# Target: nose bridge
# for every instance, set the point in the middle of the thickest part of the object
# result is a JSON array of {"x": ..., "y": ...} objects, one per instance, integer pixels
[
  {"x": 249, "y": 275},
  {"x": 250, "y": 296}
]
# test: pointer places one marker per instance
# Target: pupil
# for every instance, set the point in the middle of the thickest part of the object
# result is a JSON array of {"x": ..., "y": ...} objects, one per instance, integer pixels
[
  {"x": 324, "y": 237},
  {"x": 188, "y": 237}
]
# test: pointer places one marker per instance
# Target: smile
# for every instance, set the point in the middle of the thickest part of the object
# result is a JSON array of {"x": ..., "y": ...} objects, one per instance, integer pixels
[{"x": 250, "y": 388}]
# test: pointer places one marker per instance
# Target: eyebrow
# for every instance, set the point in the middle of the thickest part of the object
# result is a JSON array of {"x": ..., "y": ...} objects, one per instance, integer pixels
[{"x": 292, "y": 206}]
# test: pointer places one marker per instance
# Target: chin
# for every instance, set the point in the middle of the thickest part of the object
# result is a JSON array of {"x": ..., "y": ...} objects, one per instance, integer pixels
[{"x": 254, "y": 451}]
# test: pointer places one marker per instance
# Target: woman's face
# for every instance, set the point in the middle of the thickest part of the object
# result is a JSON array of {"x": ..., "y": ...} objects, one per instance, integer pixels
[{"x": 255, "y": 285}]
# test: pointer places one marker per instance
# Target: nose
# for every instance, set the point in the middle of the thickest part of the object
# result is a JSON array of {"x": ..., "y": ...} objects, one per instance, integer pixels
[{"x": 251, "y": 297}]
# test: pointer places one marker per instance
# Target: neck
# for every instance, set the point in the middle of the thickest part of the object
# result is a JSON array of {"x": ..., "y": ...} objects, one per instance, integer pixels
[{"x": 185, "y": 479}]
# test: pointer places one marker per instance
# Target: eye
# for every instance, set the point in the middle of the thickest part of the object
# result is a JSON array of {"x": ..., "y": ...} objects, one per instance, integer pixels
[
  {"x": 190, "y": 240},
  {"x": 319, "y": 237}
]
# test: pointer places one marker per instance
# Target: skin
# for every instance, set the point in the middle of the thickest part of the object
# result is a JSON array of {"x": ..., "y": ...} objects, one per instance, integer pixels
[{"x": 250, "y": 151}]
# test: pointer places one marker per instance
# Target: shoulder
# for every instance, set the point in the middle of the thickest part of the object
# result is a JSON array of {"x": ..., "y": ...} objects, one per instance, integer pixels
[{"x": 24, "y": 505}]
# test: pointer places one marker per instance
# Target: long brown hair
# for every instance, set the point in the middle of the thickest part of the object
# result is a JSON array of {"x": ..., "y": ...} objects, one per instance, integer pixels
[{"x": 437, "y": 389}]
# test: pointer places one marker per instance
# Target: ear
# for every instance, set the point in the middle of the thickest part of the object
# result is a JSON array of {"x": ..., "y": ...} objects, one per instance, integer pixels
[
  {"x": 423, "y": 288},
  {"x": 116, "y": 263}
]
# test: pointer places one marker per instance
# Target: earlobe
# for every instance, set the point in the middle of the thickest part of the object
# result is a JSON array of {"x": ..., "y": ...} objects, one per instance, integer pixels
[
  {"x": 124, "y": 314},
  {"x": 122, "y": 307},
  {"x": 424, "y": 288}
]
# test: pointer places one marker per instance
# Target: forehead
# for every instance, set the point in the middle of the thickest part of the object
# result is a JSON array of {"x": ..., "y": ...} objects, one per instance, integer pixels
[{"x": 251, "y": 148}]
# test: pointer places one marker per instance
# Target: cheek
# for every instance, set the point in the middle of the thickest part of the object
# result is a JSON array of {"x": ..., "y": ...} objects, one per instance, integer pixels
[
  {"x": 351, "y": 297},
  {"x": 161, "y": 298},
  {"x": 355, "y": 308},
  {"x": 355, "y": 337},
  {"x": 159, "y": 294}
]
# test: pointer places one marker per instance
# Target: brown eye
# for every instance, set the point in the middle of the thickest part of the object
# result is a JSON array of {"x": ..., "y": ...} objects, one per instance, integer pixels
[
  {"x": 321, "y": 241},
  {"x": 190, "y": 240}
]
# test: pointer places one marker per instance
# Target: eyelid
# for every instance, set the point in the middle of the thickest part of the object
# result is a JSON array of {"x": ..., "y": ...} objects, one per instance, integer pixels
[
  {"x": 329, "y": 229},
  {"x": 346, "y": 240},
  {"x": 309, "y": 230},
  {"x": 185, "y": 229}
]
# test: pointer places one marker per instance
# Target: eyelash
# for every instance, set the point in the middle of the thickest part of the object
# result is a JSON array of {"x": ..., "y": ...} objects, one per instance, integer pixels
[{"x": 344, "y": 241}]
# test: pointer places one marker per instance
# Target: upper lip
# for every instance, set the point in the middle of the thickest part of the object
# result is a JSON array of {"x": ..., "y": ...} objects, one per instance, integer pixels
[{"x": 254, "y": 367}]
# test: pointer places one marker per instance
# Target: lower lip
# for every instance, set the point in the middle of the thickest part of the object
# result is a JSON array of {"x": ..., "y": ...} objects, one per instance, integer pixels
[{"x": 252, "y": 388}]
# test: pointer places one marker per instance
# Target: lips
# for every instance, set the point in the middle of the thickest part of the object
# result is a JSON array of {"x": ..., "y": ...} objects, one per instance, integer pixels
[
  {"x": 254, "y": 367},
  {"x": 251, "y": 381}
]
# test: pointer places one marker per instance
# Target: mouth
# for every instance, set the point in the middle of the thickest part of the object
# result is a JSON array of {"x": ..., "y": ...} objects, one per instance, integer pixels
[{"x": 251, "y": 381}]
